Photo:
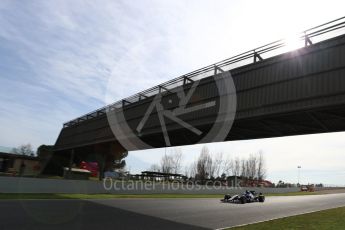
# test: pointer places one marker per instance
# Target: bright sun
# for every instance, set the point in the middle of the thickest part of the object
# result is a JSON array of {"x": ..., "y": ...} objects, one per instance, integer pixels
[{"x": 293, "y": 42}]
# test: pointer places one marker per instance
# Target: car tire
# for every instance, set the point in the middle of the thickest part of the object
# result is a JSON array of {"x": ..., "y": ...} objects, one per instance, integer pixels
[
  {"x": 261, "y": 199},
  {"x": 243, "y": 200}
]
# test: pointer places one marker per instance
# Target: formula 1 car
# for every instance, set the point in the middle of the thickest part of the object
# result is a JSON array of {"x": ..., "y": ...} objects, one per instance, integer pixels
[{"x": 247, "y": 197}]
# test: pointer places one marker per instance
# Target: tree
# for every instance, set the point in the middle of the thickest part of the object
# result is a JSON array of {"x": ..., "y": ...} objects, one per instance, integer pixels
[
  {"x": 252, "y": 166},
  {"x": 113, "y": 160},
  {"x": 44, "y": 154},
  {"x": 44, "y": 151},
  {"x": 193, "y": 169},
  {"x": 236, "y": 169},
  {"x": 187, "y": 171},
  {"x": 228, "y": 166},
  {"x": 261, "y": 171},
  {"x": 218, "y": 163},
  {"x": 25, "y": 149},
  {"x": 172, "y": 163},
  {"x": 176, "y": 159},
  {"x": 166, "y": 164},
  {"x": 119, "y": 164},
  {"x": 155, "y": 168},
  {"x": 244, "y": 168},
  {"x": 204, "y": 165},
  {"x": 223, "y": 176}
]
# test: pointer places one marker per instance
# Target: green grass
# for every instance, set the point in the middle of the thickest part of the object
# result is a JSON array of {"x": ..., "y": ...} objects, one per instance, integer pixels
[
  {"x": 293, "y": 194},
  {"x": 100, "y": 196},
  {"x": 109, "y": 196},
  {"x": 322, "y": 220},
  {"x": 13, "y": 196}
]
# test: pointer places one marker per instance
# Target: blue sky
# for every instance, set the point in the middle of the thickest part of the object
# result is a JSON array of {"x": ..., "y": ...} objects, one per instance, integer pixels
[{"x": 61, "y": 59}]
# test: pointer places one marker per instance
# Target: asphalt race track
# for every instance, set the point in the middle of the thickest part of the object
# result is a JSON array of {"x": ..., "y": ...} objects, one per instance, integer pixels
[{"x": 153, "y": 213}]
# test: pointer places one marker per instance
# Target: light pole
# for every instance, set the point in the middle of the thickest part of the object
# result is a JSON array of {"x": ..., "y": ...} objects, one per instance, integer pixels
[{"x": 299, "y": 169}]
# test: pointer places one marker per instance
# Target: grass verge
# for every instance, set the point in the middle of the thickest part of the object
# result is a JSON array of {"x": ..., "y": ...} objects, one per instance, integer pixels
[
  {"x": 100, "y": 196},
  {"x": 293, "y": 194},
  {"x": 322, "y": 220},
  {"x": 109, "y": 196}
]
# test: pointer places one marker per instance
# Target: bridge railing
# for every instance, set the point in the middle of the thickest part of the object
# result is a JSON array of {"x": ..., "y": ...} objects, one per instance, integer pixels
[{"x": 306, "y": 38}]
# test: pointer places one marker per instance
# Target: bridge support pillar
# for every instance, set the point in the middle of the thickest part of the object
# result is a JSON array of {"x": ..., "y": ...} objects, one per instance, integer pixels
[{"x": 70, "y": 163}]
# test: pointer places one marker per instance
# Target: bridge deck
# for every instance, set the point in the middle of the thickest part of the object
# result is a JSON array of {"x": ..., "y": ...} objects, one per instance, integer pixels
[{"x": 299, "y": 92}]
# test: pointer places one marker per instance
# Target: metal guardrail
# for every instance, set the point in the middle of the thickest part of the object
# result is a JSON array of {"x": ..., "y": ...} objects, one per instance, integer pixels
[{"x": 308, "y": 37}]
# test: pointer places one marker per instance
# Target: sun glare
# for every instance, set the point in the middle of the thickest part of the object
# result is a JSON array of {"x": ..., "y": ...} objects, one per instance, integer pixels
[{"x": 293, "y": 42}]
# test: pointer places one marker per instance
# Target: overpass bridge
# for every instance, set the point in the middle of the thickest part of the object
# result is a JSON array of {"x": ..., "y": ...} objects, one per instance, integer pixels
[{"x": 273, "y": 92}]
